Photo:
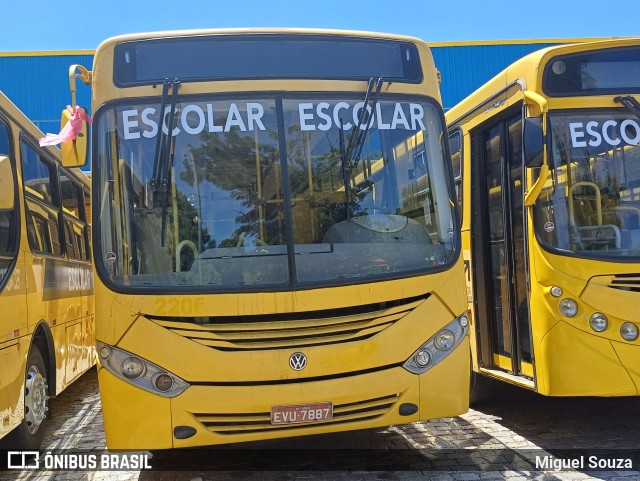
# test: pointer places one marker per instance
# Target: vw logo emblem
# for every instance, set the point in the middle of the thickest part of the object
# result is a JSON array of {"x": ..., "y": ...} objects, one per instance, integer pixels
[{"x": 298, "y": 361}]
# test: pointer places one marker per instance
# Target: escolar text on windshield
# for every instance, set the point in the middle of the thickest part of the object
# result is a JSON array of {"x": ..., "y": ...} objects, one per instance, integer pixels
[{"x": 193, "y": 119}]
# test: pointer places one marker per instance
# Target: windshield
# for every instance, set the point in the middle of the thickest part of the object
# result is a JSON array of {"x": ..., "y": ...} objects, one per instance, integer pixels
[
  {"x": 264, "y": 192},
  {"x": 591, "y": 202}
]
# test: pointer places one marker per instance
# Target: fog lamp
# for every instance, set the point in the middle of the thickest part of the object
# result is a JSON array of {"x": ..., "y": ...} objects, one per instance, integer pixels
[
  {"x": 105, "y": 352},
  {"x": 598, "y": 322},
  {"x": 556, "y": 291},
  {"x": 568, "y": 307},
  {"x": 464, "y": 322},
  {"x": 422, "y": 358},
  {"x": 132, "y": 368},
  {"x": 629, "y": 331},
  {"x": 444, "y": 340},
  {"x": 163, "y": 382}
]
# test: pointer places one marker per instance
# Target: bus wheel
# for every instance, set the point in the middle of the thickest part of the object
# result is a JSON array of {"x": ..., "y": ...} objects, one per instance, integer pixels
[
  {"x": 480, "y": 389},
  {"x": 30, "y": 433}
]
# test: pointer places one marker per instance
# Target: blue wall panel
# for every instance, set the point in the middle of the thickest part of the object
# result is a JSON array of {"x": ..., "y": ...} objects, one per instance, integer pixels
[
  {"x": 465, "y": 68},
  {"x": 39, "y": 86}
]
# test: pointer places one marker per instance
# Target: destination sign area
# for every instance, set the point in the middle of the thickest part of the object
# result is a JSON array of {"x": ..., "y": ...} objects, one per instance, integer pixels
[
  {"x": 613, "y": 70},
  {"x": 264, "y": 56}
]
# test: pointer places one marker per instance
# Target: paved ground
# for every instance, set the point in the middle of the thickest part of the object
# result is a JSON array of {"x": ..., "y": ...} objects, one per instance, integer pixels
[{"x": 501, "y": 433}]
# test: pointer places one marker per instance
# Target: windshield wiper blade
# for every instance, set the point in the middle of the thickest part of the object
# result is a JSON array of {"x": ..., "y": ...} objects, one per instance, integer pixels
[
  {"x": 346, "y": 173},
  {"x": 357, "y": 138},
  {"x": 161, "y": 177},
  {"x": 156, "y": 174},
  {"x": 356, "y": 141},
  {"x": 630, "y": 103}
]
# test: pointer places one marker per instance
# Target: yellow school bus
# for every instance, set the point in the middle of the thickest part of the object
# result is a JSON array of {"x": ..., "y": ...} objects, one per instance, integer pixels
[
  {"x": 276, "y": 238},
  {"x": 47, "y": 333},
  {"x": 547, "y": 161}
]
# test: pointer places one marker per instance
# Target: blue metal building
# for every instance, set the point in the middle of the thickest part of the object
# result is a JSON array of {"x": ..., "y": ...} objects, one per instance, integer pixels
[{"x": 37, "y": 82}]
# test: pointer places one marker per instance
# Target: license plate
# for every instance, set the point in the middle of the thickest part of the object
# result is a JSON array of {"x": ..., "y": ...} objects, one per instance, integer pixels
[{"x": 302, "y": 413}]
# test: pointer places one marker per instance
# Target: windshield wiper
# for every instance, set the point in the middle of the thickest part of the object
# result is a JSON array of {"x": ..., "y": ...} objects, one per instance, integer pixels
[
  {"x": 630, "y": 103},
  {"x": 356, "y": 141},
  {"x": 350, "y": 156},
  {"x": 346, "y": 174},
  {"x": 161, "y": 177}
]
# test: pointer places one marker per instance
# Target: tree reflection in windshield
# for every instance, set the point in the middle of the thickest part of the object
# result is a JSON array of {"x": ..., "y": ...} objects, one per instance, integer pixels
[
  {"x": 591, "y": 202},
  {"x": 237, "y": 216}
]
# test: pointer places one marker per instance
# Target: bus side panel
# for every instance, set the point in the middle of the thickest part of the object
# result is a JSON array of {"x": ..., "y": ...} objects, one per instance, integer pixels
[
  {"x": 133, "y": 418},
  {"x": 12, "y": 365},
  {"x": 444, "y": 389},
  {"x": 14, "y": 347},
  {"x": 573, "y": 362},
  {"x": 41, "y": 311},
  {"x": 629, "y": 355},
  {"x": 54, "y": 298}
]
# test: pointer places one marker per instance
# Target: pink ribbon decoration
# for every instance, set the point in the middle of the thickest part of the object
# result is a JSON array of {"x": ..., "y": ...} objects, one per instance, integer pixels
[{"x": 70, "y": 130}]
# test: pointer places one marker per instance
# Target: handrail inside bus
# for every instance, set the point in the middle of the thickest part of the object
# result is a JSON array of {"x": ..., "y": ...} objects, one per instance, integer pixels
[
  {"x": 598, "y": 199},
  {"x": 189, "y": 244}
]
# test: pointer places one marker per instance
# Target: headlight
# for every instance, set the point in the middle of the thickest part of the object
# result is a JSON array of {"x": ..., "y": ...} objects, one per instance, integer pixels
[
  {"x": 568, "y": 307},
  {"x": 598, "y": 322},
  {"x": 140, "y": 372},
  {"x": 445, "y": 340},
  {"x": 132, "y": 368},
  {"x": 629, "y": 331},
  {"x": 438, "y": 346}
]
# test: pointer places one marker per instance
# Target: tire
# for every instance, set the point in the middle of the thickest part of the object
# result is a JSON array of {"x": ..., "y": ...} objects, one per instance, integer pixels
[
  {"x": 30, "y": 433},
  {"x": 480, "y": 389}
]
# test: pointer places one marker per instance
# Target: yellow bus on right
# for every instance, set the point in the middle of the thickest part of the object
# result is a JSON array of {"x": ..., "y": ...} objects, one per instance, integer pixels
[{"x": 547, "y": 163}]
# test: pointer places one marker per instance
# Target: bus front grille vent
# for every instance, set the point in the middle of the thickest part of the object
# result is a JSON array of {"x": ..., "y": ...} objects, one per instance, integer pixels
[
  {"x": 626, "y": 282},
  {"x": 251, "y": 423},
  {"x": 296, "y": 330}
]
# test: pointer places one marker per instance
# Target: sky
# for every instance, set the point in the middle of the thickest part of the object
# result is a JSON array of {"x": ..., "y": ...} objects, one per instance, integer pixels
[{"x": 37, "y": 25}]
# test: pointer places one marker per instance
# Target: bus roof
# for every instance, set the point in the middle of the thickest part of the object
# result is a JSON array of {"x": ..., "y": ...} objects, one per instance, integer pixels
[
  {"x": 9, "y": 109},
  {"x": 237, "y": 31},
  {"x": 103, "y": 68},
  {"x": 529, "y": 69}
]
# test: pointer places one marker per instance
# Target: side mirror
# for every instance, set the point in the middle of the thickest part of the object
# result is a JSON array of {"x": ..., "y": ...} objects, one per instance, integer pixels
[
  {"x": 533, "y": 142},
  {"x": 7, "y": 192},
  {"x": 74, "y": 152}
]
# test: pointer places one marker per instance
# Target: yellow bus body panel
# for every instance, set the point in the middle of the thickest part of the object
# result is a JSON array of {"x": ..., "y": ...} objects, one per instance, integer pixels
[
  {"x": 231, "y": 380},
  {"x": 223, "y": 379},
  {"x": 144, "y": 420},
  {"x": 32, "y": 300},
  {"x": 573, "y": 361},
  {"x": 569, "y": 358}
]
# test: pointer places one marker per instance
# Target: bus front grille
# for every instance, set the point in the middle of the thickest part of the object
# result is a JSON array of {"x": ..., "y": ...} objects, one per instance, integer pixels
[
  {"x": 295, "y": 330},
  {"x": 249, "y": 423},
  {"x": 626, "y": 282}
]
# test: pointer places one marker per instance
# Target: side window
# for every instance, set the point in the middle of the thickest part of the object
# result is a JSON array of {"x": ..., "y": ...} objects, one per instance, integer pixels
[
  {"x": 8, "y": 217},
  {"x": 73, "y": 209},
  {"x": 39, "y": 178},
  {"x": 87, "y": 216},
  {"x": 38, "y": 174},
  {"x": 455, "y": 142}
]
